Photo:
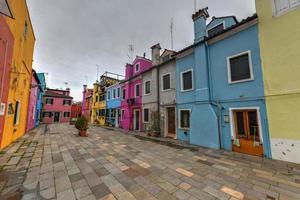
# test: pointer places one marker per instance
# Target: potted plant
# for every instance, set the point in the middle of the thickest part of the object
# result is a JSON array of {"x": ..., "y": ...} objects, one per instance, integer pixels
[
  {"x": 154, "y": 127},
  {"x": 82, "y": 124}
]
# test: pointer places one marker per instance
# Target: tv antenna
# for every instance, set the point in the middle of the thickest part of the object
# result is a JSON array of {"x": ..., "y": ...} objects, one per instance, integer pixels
[
  {"x": 172, "y": 38},
  {"x": 195, "y": 5},
  {"x": 97, "y": 72},
  {"x": 131, "y": 50}
]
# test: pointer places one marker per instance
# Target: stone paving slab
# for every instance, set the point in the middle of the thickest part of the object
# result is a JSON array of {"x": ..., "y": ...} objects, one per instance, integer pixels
[{"x": 55, "y": 163}]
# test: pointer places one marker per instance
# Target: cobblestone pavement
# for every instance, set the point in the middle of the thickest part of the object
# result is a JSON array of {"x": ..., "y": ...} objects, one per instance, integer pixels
[{"x": 54, "y": 163}]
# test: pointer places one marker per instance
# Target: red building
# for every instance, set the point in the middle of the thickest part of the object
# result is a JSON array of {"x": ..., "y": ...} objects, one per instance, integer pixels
[
  {"x": 76, "y": 110},
  {"x": 6, "y": 52},
  {"x": 57, "y": 106}
]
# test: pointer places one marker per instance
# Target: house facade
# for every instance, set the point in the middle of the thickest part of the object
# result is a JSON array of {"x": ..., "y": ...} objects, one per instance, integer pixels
[
  {"x": 35, "y": 91},
  {"x": 6, "y": 53},
  {"x": 57, "y": 106},
  {"x": 76, "y": 110},
  {"x": 20, "y": 73},
  {"x": 86, "y": 95},
  {"x": 113, "y": 105},
  {"x": 39, "y": 104},
  {"x": 279, "y": 44},
  {"x": 131, "y": 104},
  {"x": 220, "y": 95},
  {"x": 99, "y": 98}
]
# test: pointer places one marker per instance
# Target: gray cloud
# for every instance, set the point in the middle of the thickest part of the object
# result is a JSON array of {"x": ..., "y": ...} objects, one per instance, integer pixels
[{"x": 75, "y": 35}]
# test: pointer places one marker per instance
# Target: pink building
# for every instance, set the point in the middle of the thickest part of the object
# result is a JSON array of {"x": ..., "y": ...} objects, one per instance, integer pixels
[
  {"x": 33, "y": 99},
  {"x": 131, "y": 104},
  {"x": 57, "y": 106},
  {"x": 86, "y": 95}
]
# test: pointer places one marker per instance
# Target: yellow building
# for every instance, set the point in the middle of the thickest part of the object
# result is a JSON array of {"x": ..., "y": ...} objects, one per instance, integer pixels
[
  {"x": 279, "y": 34},
  {"x": 99, "y": 98},
  {"x": 20, "y": 74}
]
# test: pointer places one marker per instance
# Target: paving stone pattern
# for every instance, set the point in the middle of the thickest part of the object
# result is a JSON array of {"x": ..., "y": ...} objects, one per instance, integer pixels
[{"x": 54, "y": 163}]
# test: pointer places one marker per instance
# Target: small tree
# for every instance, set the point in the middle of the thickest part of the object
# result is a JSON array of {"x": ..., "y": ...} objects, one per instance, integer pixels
[
  {"x": 154, "y": 127},
  {"x": 82, "y": 124}
]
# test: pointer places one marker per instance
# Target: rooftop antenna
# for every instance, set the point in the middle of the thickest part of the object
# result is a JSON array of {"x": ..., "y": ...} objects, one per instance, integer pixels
[
  {"x": 195, "y": 5},
  {"x": 97, "y": 72},
  {"x": 66, "y": 84},
  {"x": 172, "y": 38},
  {"x": 131, "y": 50}
]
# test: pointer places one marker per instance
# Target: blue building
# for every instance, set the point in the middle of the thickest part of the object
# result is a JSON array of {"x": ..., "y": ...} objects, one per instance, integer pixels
[
  {"x": 220, "y": 91},
  {"x": 113, "y": 105},
  {"x": 39, "y": 104}
]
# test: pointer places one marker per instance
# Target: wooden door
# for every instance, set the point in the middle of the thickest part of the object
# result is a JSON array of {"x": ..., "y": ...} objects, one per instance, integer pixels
[
  {"x": 171, "y": 126},
  {"x": 247, "y": 133},
  {"x": 137, "y": 120},
  {"x": 56, "y": 117}
]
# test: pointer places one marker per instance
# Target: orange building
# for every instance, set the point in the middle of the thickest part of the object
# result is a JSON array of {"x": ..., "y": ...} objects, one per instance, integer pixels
[{"x": 20, "y": 73}]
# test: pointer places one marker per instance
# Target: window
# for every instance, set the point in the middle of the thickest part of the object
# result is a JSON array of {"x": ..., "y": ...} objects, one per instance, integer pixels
[
  {"x": 187, "y": 80},
  {"x": 147, "y": 87},
  {"x": 2, "y": 108},
  {"x": 124, "y": 94},
  {"x": 66, "y": 114},
  {"x": 17, "y": 113},
  {"x": 97, "y": 98},
  {"x": 10, "y": 109},
  {"x": 137, "y": 90},
  {"x": 214, "y": 30},
  {"x": 114, "y": 93},
  {"x": 184, "y": 119},
  {"x": 49, "y": 101},
  {"x": 118, "y": 92},
  {"x": 166, "y": 82},
  {"x": 282, "y": 6},
  {"x": 67, "y": 102},
  {"x": 240, "y": 68},
  {"x": 102, "y": 112},
  {"x": 108, "y": 95},
  {"x": 46, "y": 114},
  {"x": 137, "y": 67},
  {"x": 122, "y": 114},
  {"x": 146, "y": 115}
]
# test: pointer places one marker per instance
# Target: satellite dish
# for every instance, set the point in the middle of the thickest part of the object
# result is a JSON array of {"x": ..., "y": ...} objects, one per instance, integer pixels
[{"x": 5, "y": 9}]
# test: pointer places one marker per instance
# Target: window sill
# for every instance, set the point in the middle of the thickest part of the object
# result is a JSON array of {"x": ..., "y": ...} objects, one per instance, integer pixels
[
  {"x": 187, "y": 90},
  {"x": 185, "y": 129},
  {"x": 241, "y": 81}
]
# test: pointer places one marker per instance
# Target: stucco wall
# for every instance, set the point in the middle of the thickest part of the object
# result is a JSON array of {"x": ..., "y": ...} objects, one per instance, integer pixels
[
  {"x": 32, "y": 105},
  {"x": 56, "y": 107}
]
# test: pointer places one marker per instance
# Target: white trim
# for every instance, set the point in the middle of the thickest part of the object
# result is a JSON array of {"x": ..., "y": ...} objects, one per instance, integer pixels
[
  {"x": 162, "y": 81},
  {"x": 166, "y": 120},
  {"x": 139, "y": 90},
  {"x": 179, "y": 118},
  {"x": 134, "y": 119},
  {"x": 108, "y": 96},
  {"x": 250, "y": 67},
  {"x": 139, "y": 64},
  {"x": 145, "y": 88},
  {"x": 181, "y": 80},
  {"x": 232, "y": 128},
  {"x": 278, "y": 14},
  {"x": 144, "y": 115},
  {"x": 223, "y": 22}
]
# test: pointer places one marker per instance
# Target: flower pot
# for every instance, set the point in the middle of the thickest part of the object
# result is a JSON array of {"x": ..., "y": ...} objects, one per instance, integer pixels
[{"x": 83, "y": 133}]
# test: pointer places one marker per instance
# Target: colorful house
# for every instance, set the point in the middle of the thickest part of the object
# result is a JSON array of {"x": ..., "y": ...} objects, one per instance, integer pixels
[
  {"x": 20, "y": 73},
  {"x": 279, "y": 43},
  {"x": 57, "y": 106},
  {"x": 35, "y": 91},
  {"x": 99, "y": 97},
  {"x": 39, "y": 104},
  {"x": 131, "y": 104},
  {"x": 76, "y": 110},
  {"x": 86, "y": 95},
  {"x": 220, "y": 95},
  {"x": 113, "y": 105},
  {"x": 6, "y": 53},
  {"x": 159, "y": 92}
]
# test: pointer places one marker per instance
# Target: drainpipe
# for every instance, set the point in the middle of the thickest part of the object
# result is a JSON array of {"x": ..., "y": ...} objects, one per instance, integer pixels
[
  {"x": 4, "y": 69},
  {"x": 211, "y": 101},
  {"x": 158, "y": 94}
]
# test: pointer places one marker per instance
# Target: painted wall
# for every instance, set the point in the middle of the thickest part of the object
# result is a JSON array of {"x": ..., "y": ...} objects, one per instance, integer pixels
[
  {"x": 76, "y": 110},
  {"x": 56, "y": 107},
  {"x": 279, "y": 44},
  {"x": 39, "y": 104},
  {"x": 20, "y": 76},
  {"x": 113, "y": 103},
  {"x": 6, "y": 52}
]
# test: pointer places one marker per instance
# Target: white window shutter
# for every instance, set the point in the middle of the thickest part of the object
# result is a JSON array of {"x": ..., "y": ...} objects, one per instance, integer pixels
[
  {"x": 294, "y": 3},
  {"x": 281, "y": 5}
]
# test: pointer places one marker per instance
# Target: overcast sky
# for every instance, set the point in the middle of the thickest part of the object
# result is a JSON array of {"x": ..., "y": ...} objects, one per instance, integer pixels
[{"x": 75, "y": 35}]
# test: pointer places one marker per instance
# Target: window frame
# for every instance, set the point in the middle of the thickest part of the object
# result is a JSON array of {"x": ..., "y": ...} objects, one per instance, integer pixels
[
  {"x": 118, "y": 92},
  {"x": 162, "y": 81},
  {"x": 68, "y": 100},
  {"x": 181, "y": 80},
  {"x": 123, "y": 94},
  {"x": 278, "y": 14},
  {"x": 179, "y": 118},
  {"x": 250, "y": 67},
  {"x": 145, "y": 94},
  {"x": 49, "y": 99},
  {"x": 108, "y": 95},
  {"x": 137, "y": 64},
  {"x": 223, "y": 22},
  {"x": 146, "y": 122},
  {"x": 138, "y": 84},
  {"x": 17, "y": 112},
  {"x": 114, "y": 93},
  {"x": 69, "y": 114}
]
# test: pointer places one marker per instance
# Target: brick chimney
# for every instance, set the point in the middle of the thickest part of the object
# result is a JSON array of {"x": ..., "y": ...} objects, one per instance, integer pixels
[
  {"x": 156, "y": 54},
  {"x": 199, "y": 19}
]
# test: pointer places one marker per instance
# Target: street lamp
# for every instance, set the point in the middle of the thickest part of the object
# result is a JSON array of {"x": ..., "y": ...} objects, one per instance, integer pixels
[{"x": 5, "y": 9}]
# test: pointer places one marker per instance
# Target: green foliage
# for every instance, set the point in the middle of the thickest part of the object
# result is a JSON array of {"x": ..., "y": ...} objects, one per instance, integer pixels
[
  {"x": 155, "y": 119},
  {"x": 82, "y": 124}
]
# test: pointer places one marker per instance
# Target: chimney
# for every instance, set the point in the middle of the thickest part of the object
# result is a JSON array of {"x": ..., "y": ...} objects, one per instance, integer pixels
[
  {"x": 199, "y": 19},
  {"x": 156, "y": 54}
]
